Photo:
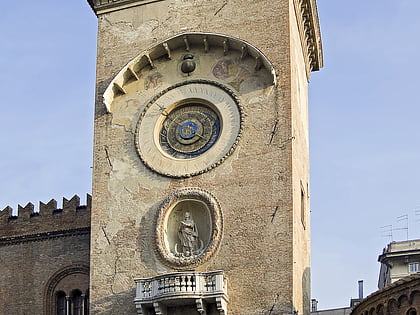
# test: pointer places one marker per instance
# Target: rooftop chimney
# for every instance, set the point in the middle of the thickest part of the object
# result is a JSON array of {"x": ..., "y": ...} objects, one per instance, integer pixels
[
  {"x": 360, "y": 289},
  {"x": 314, "y": 305}
]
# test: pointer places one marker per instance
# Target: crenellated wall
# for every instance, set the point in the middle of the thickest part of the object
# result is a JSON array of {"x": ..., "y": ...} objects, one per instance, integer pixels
[
  {"x": 48, "y": 221},
  {"x": 41, "y": 251}
]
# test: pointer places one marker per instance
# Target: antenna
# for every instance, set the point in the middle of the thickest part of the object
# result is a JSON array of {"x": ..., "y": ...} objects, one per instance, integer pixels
[
  {"x": 386, "y": 231},
  {"x": 403, "y": 218},
  {"x": 417, "y": 214}
]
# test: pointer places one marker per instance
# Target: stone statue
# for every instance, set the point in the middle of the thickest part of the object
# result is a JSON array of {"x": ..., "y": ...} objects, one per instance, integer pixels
[{"x": 188, "y": 235}]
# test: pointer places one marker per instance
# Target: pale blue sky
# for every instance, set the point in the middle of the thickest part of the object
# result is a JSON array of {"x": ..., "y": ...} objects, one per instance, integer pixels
[{"x": 364, "y": 125}]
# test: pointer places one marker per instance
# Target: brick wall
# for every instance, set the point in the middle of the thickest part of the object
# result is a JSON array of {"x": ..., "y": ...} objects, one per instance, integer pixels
[
  {"x": 35, "y": 247},
  {"x": 399, "y": 298}
]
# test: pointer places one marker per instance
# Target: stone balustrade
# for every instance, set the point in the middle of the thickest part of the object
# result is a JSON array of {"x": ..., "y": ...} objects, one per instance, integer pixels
[{"x": 181, "y": 288}]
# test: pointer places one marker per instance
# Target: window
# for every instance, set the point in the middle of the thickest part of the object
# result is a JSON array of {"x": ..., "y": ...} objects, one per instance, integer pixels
[
  {"x": 67, "y": 291},
  {"x": 61, "y": 303},
  {"x": 413, "y": 267},
  {"x": 77, "y": 302},
  {"x": 302, "y": 206},
  {"x": 412, "y": 311}
]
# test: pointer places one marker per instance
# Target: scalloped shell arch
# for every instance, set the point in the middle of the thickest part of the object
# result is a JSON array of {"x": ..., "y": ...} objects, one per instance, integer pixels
[{"x": 184, "y": 41}]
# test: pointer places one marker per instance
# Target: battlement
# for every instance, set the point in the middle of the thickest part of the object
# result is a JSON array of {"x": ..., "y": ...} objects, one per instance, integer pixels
[{"x": 48, "y": 221}]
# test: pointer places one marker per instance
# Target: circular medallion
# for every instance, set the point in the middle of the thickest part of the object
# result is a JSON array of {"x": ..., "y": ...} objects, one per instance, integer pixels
[
  {"x": 189, "y": 227},
  {"x": 189, "y": 128}
]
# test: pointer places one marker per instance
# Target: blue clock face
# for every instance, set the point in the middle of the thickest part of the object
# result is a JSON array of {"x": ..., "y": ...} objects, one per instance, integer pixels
[{"x": 189, "y": 130}]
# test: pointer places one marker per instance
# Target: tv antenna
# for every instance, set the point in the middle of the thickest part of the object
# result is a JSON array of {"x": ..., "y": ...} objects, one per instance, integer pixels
[
  {"x": 417, "y": 214},
  {"x": 386, "y": 231},
  {"x": 403, "y": 218}
]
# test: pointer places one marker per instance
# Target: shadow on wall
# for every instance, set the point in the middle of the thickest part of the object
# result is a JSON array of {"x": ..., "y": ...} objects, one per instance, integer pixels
[
  {"x": 306, "y": 290},
  {"x": 117, "y": 304}
]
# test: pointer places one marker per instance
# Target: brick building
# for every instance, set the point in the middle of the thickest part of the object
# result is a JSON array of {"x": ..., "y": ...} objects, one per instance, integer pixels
[
  {"x": 398, "y": 298},
  {"x": 45, "y": 259}
]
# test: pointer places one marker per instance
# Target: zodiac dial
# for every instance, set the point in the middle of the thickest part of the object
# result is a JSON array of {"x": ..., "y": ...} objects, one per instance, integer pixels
[{"x": 189, "y": 130}]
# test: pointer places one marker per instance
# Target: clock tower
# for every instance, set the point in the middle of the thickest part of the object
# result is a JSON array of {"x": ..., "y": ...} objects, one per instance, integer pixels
[{"x": 200, "y": 200}]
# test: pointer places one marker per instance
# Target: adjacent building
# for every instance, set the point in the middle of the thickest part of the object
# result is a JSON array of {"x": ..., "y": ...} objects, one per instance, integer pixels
[
  {"x": 399, "y": 285},
  {"x": 44, "y": 256},
  {"x": 341, "y": 310},
  {"x": 398, "y": 260},
  {"x": 401, "y": 297}
]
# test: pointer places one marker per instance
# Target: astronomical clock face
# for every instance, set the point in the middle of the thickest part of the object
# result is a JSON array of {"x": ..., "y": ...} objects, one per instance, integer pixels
[{"x": 189, "y": 128}]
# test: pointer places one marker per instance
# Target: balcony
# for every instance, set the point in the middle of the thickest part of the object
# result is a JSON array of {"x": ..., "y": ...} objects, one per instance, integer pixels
[{"x": 181, "y": 289}]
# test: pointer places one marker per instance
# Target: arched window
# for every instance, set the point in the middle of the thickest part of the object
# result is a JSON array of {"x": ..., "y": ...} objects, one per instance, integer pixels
[
  {"x": 61, "y": 303},
  {"x": 77, "y": 302},
  {"x": 87, "y": 302},
  {"x": 66, "y": 292},
  {"x": 412, "y": 311}
]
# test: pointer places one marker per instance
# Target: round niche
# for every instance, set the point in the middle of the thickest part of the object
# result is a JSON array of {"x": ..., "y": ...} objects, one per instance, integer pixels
[
  {"x": 188, "y": 227},
  {"x": 189, "y": 128}
]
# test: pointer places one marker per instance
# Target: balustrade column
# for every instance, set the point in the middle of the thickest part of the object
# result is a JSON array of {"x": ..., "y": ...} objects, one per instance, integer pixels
[
  {"x": 68, "y": 300},
  {"x": 83, "y": 297}
]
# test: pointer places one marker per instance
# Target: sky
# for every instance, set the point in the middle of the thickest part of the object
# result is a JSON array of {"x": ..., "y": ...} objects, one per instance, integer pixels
[{"x": 364, "y": 128}]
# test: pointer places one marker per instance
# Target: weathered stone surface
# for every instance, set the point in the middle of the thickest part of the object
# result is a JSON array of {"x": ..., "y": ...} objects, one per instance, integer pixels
[{"x": 264, "y": 250}]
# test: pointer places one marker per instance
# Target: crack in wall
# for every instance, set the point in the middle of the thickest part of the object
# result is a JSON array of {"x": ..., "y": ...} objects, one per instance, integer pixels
[
  {"x": 274, "y": 304},
  {"x": 274, "y": 131},
  {"x": 221, "y": 8},
  {"x": 106, "y": 236},
  {"x": 124, "y": 127},
  {"x": 107, "y": 155},
  {"x": 283, "y": 142},
  {"x": 274, "y": 214},
  {"x": 115, "y": 274}
]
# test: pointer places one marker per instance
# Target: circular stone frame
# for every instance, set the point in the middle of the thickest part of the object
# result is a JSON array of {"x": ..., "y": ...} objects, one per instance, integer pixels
[
  {"x": 219, "y": 97},
  {"x": 215, "y": 231}
]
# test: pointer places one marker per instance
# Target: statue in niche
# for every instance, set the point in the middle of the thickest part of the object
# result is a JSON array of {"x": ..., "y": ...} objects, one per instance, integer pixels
[{"x": 188, "y": 236}]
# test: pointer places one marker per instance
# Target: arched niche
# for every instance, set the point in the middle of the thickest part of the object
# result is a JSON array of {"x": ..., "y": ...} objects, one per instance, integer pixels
[
  {"x": 226, "y": 50},
  {"x": 188, "y": 228},
  {"x": 199, "y": 213}
]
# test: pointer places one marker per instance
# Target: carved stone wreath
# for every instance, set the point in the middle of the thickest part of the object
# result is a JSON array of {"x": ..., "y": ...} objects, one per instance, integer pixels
[{"x": 206, "y": 213}]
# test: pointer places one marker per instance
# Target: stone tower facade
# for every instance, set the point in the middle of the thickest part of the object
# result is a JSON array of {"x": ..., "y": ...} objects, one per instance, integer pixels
[{"x": 201, "y": 169}]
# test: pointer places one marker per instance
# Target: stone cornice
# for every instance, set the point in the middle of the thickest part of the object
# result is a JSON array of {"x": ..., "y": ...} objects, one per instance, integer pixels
[
  {"x": 306, "y": 15},
  {"x": 310, "y": 34},
  {"x": 104, "y": 6},
  {"x": 13, "y": 240}
]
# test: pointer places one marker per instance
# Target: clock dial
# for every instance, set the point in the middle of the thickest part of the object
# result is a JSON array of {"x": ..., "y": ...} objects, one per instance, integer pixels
[{"x": 189, "y": 128}]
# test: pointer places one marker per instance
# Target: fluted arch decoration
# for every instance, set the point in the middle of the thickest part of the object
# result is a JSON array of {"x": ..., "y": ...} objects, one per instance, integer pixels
[{"x": 131, "y": 72}]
